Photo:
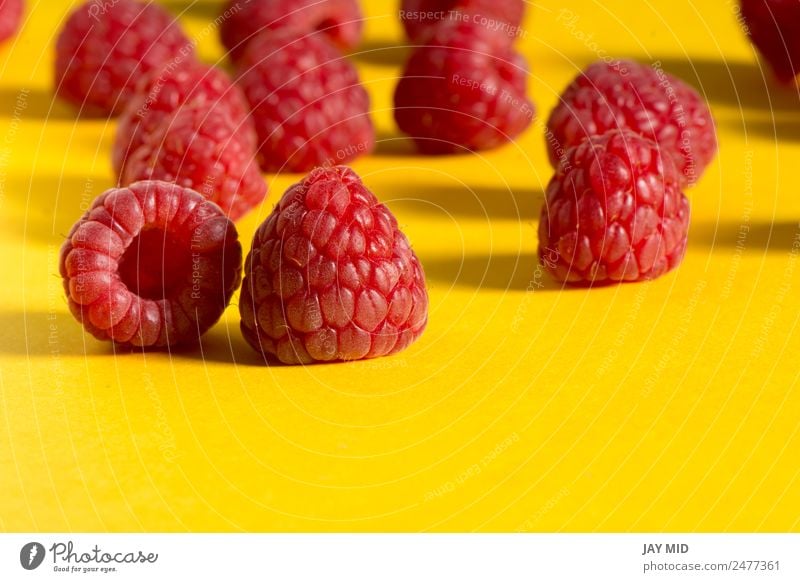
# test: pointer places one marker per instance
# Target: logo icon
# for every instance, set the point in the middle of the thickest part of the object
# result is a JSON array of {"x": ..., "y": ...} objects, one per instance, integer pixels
[{"x": 31, "y": 555}]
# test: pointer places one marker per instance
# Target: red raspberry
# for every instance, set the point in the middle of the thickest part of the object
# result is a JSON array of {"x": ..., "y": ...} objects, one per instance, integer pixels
[
  {"x": 339, "y": 20},
  {"x": 464, "y": 89},
  {"x": 420, "y": 17},
  {"x": 202, "y": 149},
  {"x": 158, "y": 96},
  {"x": 309, "y": 108},
  {"x": 774, "y": 28},
  {"x": 629, "y": 95},
  {"x": 153, "y": 264},
  {"x": 331, "y": 277},
  {"x": 614, "y": 212},
  {"x": 106, "y": 47},
  {"x": 10, "y": 17}
]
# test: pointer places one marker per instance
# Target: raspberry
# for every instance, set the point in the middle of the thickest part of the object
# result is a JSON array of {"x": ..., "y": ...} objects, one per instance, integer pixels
[
  {"x": 614, "y": 212},
  {"x": 150, "y": 265},
  {"x": 628, "y": 95},
  {"x": 158, "y": 96},
  {"x": 464, "y": 89},
  {"x": 106, "y": 47},
  {"x": 774, "y": 28},
  {"x": 331, "y": 277},
  {"x": 308, "y": 106},
  {"x": 10, "y": 17},
  {"x": 340, "y": 21},
  {"x": 202, "y": 149},
  {"x": 420, "y": 17}
]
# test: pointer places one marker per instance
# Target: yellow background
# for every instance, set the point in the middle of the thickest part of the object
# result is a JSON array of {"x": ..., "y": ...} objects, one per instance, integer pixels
[{"x": 669, "y": 406}]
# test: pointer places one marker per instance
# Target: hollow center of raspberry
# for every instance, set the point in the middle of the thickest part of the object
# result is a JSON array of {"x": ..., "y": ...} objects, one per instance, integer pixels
[{"x": 155, "y": 265}]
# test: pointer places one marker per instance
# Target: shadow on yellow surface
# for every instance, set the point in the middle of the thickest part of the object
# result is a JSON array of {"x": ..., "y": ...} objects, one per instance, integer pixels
[
  {"x": 205, "y": 9},
  {"x": 488, "y": 202},
  {"x": 740, "y": 84},
  {"x": 777, "y": 236},
  {"x": 39, "y": 103},
  {"x": 386, "y": 53},
  {"x": 498, "y": 271}
]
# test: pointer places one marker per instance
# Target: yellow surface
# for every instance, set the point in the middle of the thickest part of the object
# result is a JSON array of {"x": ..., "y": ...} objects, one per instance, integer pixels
[{"x": 669, "y": 406}]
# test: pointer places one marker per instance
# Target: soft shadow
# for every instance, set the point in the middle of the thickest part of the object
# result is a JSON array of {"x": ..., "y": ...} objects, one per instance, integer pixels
[
  {"x": 490, "y": 202},
  {"x": 398, "y": 144},
  {"x": 394, "y": 145},
  {"x": 740, "y": 84},
  {"x": 770, "y": 236},
  {"x": 36, "y": 333},
  {"x": 222, "y": 344},
  {"x": 498, "y": 271},
  {"x": 779, "y": 128},
  {"x": 205, "y": 9},
  {"x": 384, "y": 53},
  {"x": 37, "y": 103}
]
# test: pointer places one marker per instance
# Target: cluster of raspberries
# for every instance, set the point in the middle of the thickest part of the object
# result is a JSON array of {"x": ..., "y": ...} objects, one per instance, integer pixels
[
  {"x": 297, "y": 102},
  {"x": 155, "y": 261},
  {"x": 624, "y": 140},
  {"x": 329, "y": 275}
]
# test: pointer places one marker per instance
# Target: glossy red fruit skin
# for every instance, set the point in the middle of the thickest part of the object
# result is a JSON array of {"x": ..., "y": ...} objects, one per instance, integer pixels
[
  {"x": 774, "y": 28},
  {"x": 159, "y": 95},
  {"x": 202, "y": 149},
  {"x": 100, "y": 254},
  {"x": 463, "y": 90},
  {"x": 644, "y": 99},
  {"x": 330, "y": 276},
  {"x": 106, "y": 47},
  {"x": 340, "y": 21},
  {"x": 503, "y": 17},
  {"x": 11, "y": 13},
  {"x": 308, "y": 105},
  {"x": 614, "y": 212}
]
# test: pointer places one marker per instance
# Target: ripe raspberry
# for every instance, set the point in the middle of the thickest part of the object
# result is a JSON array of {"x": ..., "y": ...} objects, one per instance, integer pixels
[
  {"x": 774, "y": 28},
  {"x": 105, "y": 47},
  {"x": 10, "y": 17},
  {"x": 340, "y": 21},
  {"x": 629, "y": 95},
  {"x": 150, "y": 265},
  {"x": 464, "y": 89},
  {"x": 419, "y": 17},
  {"x": 331, "y": 277},
  {"x": 309, "y": 108},
  {"x": 202, "y": 149},
  {"x": 614, "y": 212},
  {"x": 158, "y": 96}
]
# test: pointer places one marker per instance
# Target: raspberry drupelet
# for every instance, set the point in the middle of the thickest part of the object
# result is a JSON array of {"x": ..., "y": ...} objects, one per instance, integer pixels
[
  {"x": 202, "y": 149},
  {"x": 339, "y": 21},
  {"x": 463, "y": 90},
  {"x": 614, "y": 212},
  {"x": 159, "y": 95},
  {"x": 106, "y": 47},
  {"x": 630, "y": 95},
  {"x": 150, "y": 265},
  {"x": 330, "y": 276},
  {"x": 308, "y": 105},
  {"x": 421, "y": 17}
]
